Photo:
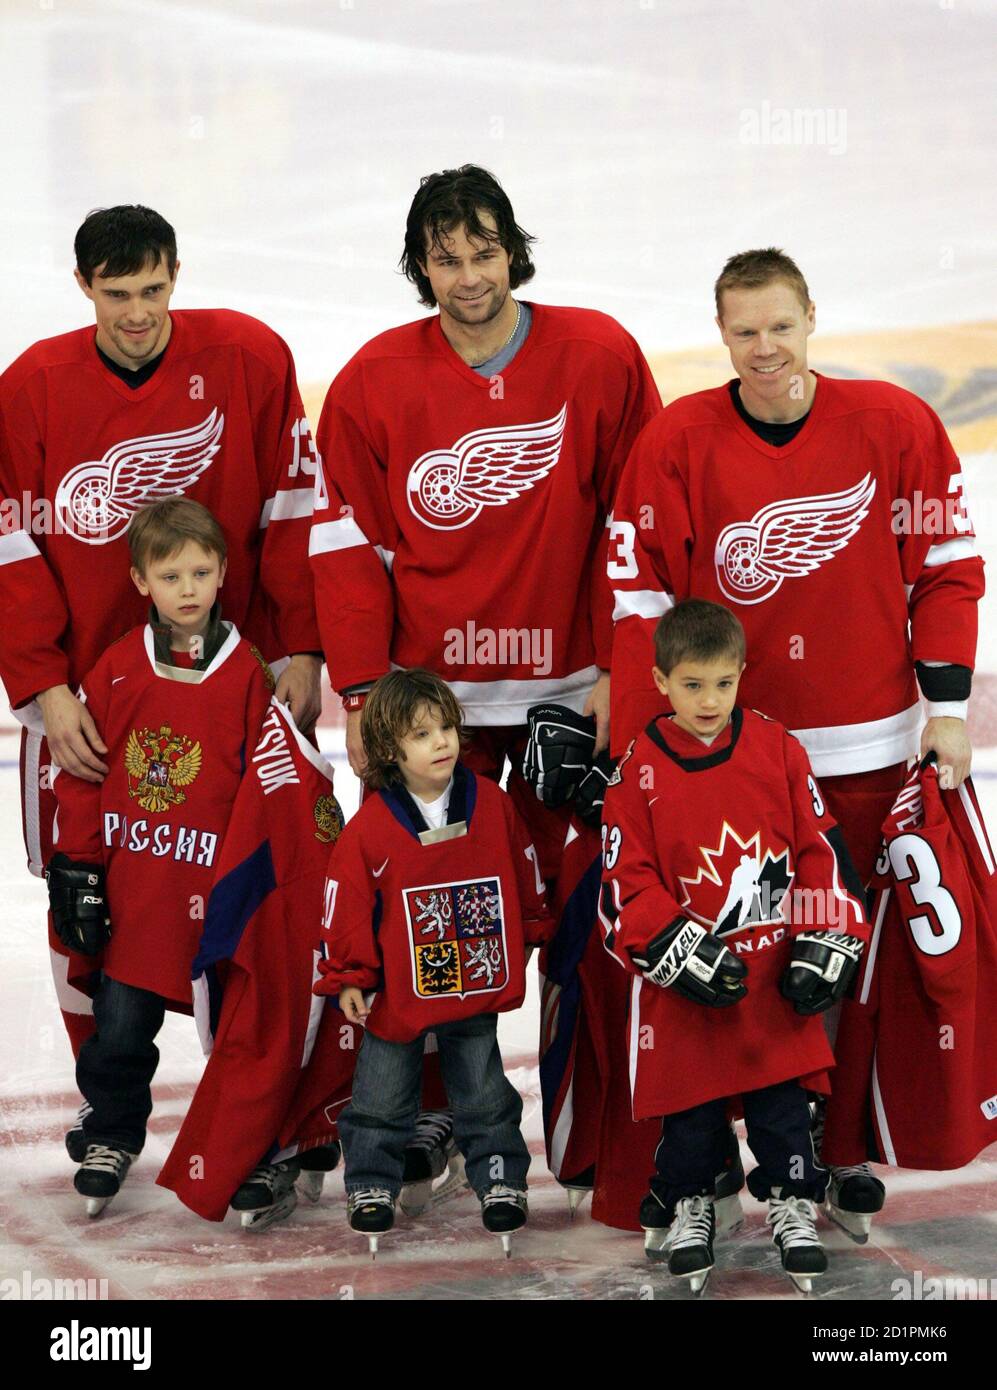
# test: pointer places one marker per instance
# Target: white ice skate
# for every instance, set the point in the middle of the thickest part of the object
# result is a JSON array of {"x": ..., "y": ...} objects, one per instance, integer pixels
[
  {"x": 728, "y": 1212},
  {"x": 431, "y": 1153},
  {"x": 100, "y": 1175},
  {"x": 371, "y": 1211},
  {"x": 504, "y": 1211},
  {"x": 794, "y": 1233},
  {"x": 268, "y": 1195}
]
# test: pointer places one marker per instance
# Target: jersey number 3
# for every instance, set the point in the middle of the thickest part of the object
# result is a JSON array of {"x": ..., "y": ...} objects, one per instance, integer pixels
[{"x": 913, "y": 862}]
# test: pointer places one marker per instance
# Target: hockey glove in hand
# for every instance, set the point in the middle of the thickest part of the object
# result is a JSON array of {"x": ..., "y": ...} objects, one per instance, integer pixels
[
  {"x": 559, "y": 749},
  {"x": 79, "y": 907},
  {"x": 821, "y": 970},
  {"x": 688, "y": 958},
  {"x": 591, "y": 793}
]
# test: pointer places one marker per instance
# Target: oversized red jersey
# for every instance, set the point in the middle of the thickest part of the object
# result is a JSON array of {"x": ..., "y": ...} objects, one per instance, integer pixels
[
  {"x": 177, "y": 742},
  {"x": 734, "y": 836},
  {"x": 917, "y": 1046},
  {"x": 824, "y": 548},
  {"x": 220, "y": 421},
  {"x": 436, "y": 921},
  {"x": 463, "y": 524}
]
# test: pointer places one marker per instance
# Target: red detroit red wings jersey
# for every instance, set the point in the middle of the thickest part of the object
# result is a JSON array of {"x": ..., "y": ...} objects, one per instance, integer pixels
[
  {"x": 220, "y": 421},
  {"x": 734, "y": 836},
  {"x": 824, "y": 549},
  {"x": 435, "y": 920},
  {"x": 917, "y": 1046},
  {"x": 177, "y": 742},
  {"x": 463, "y": 529}
]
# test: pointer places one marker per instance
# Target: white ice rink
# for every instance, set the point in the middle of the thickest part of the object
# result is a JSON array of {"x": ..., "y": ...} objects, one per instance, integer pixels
[{"x": 642, "y": 141}]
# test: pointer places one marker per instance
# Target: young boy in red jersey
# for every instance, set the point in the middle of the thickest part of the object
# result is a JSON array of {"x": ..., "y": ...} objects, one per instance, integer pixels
[
  {"x": 433, "y": 900},
  {"x": 177, "y": 702},
  {"x": 731, "y": 893}
]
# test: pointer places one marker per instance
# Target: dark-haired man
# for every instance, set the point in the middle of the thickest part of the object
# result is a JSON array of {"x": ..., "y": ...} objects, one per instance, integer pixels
[{"x": 153, "y": 404}]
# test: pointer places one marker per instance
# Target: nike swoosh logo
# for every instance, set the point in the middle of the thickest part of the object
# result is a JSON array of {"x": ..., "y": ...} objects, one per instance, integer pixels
[
  {"x": 378, "y": 872},
  {"x": 118, "y": 678}
]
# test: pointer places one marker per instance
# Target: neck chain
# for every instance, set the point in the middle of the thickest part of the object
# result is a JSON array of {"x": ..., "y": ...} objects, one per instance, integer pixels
[{"x": 515, "y": 329}]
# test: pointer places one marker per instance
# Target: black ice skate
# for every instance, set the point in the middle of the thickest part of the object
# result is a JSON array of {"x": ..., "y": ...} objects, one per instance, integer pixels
[
  {"x": 431, "y": 1153},
  {"x": 371, "y": 1210},
  {"x": 691, "y": 1241},
  {"x": 76, "y": 1145},
  {"x": 794, "y": 1233},
  {"x": 656, "y": 1219},
  {"x": 503, "y": 1211},
  {"x": 854, "y": 1196},
  {"x": 268, "y": 1195},
  {"x": 100, "y": 1175},
  {"x": 313, "y": 1166}
]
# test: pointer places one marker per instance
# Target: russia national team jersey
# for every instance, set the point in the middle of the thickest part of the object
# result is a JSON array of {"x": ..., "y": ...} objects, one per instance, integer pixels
[
  {"x": 917, "y": 1046},
  {"x": 461, "y": 526},
  {"x": 436, "y": 921},
  {"x": 824, "y": 548},
  {"x": 219, "y": 421},
  {"x": 734, "y": 836},
  {"x": 177, "y": 742}
]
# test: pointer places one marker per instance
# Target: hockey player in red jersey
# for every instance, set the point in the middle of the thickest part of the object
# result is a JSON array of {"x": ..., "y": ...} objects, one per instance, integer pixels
[
  {"x": 730, "y": 897},
  {"x": 177, "y": 702},
  {"x": 433, "y": 899},
  {"x": 830, "y": 514},
  {"x": 470, "y": 461},
  {"x": 155, "y": 403}
]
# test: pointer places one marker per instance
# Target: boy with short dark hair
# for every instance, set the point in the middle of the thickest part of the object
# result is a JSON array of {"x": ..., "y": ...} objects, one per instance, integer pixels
[
  {"x": 434, "y": 897},
  {"x": 176, "y": 701},
  {"x": 730, "y": 891}
]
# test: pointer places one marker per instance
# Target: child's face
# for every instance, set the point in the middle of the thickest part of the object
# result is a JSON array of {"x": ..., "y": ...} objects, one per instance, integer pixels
[
  {"x": 184, "y": 588},
  {"x": 427, "y": 754},
  {"x": 702, "y": 693}
]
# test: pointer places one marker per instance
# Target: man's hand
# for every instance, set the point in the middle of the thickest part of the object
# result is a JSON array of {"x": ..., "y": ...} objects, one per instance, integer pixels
[
  {"x": 72, "y": 735},
  {"x": 354, "y": 743},
  {"x": 299, "y": 687},
  {"x": 597, "y": 705},
  {"x": 948, "y": 740},
  {"x": 352, "y": 1005}
]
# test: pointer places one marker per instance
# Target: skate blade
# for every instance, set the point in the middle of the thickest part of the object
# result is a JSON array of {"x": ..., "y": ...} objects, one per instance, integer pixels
[
  {"x": 576, "y": 1196},
  {"x": 309, "y": 1186},
  {"x": 95, "y": 1205},
  {"x": 855, "y": 1224},
  {"x": 729, "y": 1214},
  {"x": 506, "y": 1238},
  {"x": 372, "y": 1244},
  {"x": 415, "y": 1198},
  {"x": 263, "y": 1217},
  {"x": 804, "y": 1283},
  {"x": 697, "y": 1282},
  {"x": 656, "y": 1242},
  {"x": 418, "y": 1196}
]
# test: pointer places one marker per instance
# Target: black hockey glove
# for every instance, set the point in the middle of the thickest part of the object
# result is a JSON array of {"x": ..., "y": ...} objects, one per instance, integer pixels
[
  {"x": 591, "y": 791},
  {"x": 821, "y": 970},
  {"x": 558, "y": 754},
  {"x": 688, "y": 958},
  {"x": 79, "y": 907}
]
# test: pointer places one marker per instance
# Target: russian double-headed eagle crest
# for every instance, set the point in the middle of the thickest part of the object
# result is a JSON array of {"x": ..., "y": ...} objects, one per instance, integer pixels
[
  {"x": 328, "y": 819},
  {"x": 160, "y": 764}
]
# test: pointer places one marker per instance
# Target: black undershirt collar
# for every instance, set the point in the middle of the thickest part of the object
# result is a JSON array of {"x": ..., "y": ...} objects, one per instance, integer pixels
[
  {"x": 772, "y": 432},
  {"x": 136, "y": 378}
]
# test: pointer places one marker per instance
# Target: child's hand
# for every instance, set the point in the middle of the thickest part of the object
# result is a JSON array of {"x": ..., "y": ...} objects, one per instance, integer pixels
[{"x": 352, "y": 1004}]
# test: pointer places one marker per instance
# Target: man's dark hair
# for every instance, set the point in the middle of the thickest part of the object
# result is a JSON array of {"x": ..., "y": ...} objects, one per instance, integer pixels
[
  {"x": 123, "y": 241},
  {"x": 458, "y": 197}
]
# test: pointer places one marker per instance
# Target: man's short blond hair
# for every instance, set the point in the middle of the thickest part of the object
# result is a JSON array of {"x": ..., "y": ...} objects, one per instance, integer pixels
[
  {"x": 160, "y": 530},
  {"x": 750, "y": 270}
]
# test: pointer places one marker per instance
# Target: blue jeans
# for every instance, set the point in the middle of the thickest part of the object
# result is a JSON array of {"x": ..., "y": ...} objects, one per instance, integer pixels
[
  {"x": 116, "y": 1064},
  {"x": 380, "y": 1118}
]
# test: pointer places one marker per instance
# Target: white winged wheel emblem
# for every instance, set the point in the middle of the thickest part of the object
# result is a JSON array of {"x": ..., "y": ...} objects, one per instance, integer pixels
[
  {"x": 449, "y": 488},
  {"x": 96, "y": 501},
  {"x": 786, "y": 540}
]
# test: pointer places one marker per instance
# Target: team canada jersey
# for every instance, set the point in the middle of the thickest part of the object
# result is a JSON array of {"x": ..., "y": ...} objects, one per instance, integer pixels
[
  {"x": 736, "y": 837},
  {"x": 176, "y": 741},
  {"x": 917, "y": 1046},
  {"x": 436, "y": 921},
  {"x": 823, "y": 548},
  {"x": 276, "y": 1052},
  {"x": 462, "y": 526},
  {"x": 219, "y": 421}
]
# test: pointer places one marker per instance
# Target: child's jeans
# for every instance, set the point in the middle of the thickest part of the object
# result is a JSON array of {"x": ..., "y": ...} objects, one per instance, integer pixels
[
  {"x": 380, "y": 1118},
  {"x": 694, "y": 1146},
  {"x": 116, "y": 1064}
]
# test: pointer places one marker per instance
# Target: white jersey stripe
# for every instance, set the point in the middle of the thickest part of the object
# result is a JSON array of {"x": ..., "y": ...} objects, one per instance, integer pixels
[
  {"x": 837, "y": 749},
  {"x": 17, "y": 546},
  {"x": 962, "y": 548},
  {"x": 71, "y": 999},
  {"x": 978, "y": 828},
  {"x": 32, "y": 811},
  {"x": 634, "y": 1035},
  {"x": 287, "y": 504},
  {"x": 882, "y": 1124},
  {"x": 506, "y": 702},
  {"x": 344, "y": 534},
  {"x": 870, "y": 958},
  {"x": 641, "y": 603}
]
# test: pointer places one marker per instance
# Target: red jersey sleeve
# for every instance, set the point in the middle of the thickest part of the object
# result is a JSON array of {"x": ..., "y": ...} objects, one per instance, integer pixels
[
  {"x": 349, "y": 945},
  {"x": 353, "y": 540},
  {"x": 288, "y": 465},
  {"x": 35, "y": 613},
  {"x": 77, "y": 831},
  {"x": 635, "y": 905},
  {"x": 826, "y": 894},
  {"x": 538, "y": 924}
]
